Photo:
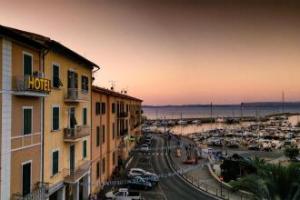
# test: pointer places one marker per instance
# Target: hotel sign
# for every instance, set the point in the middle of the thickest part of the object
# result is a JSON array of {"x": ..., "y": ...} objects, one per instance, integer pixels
[{"x": 38, "y": 84}]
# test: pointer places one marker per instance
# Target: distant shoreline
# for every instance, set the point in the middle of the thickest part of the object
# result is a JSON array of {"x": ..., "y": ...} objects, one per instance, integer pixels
[{"x": 244, "y": 104}]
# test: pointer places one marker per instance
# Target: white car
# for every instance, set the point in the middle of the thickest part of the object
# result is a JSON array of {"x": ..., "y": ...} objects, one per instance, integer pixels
[
  {"x": 123, "y": 194},
  {"x": 139, "y": 172},
  {"x": 144, "y": 148}
]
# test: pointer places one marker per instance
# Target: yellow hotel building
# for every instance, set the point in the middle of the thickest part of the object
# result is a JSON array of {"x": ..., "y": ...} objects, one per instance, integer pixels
[
  {"x": 116, "y": 126},
  {"x": 21, "y": 76},
  {"x": 46, "y": 118},
  {"x": 61, "y": 138}
]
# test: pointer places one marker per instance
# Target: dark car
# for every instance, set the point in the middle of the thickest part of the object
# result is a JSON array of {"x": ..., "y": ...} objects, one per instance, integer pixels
[
  {"x": 154, "y": 179},
  {"x": 139, "y": 183}
]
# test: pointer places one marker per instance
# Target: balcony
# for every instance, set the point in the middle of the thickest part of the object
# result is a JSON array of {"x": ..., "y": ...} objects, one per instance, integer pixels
[
  {"x": 74, "y": 175},
  {"x": 34, "y": 86},
  {"x": 75, "y": 134},
  {"x": 39, "y": 192},
  {"x": 122, "y": 114},
  {"x": 74, "y": 95}
]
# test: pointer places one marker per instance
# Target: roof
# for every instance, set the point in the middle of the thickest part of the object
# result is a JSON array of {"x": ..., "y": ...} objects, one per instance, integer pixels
[
  {"x": 43, "y": 42},
  {"x": 113, "y": 93}
]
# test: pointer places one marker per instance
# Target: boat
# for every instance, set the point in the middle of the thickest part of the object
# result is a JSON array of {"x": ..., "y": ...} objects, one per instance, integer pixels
[
  {"x": 196, "y": 122},
  {"x": 182, "y": 122}
]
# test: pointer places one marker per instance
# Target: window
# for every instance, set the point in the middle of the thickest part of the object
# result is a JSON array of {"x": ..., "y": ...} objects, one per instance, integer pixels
[
  {"x": 98, "y": 169},
  {"x": 84, "y": 149},
  {"x": 72, "y": 80},
  {"x": 27, "y": 123},
  {"x": 103, "y": 165},
  {"x": 84, "y": 84},
  {"x": 84, "y": 115},
  {"x": 113, "y": 107},
  {"x": 27, "y": 59},
  {"x": 113, "y": 130},
  {"x": 55, "y": 76},
  {"x": 98, "y": 136},
  {"x": 55, "y": 160},
  {"x": 26, "y": 173},
  {"x": 103, "y": 107},
  {"x": 55, "y": 118},
  {"x": 114, "y": 158},
  {"x": 126, "y": 107},
  {"x": 103, "y": 134},
  {"x": 98, "y": 108}
]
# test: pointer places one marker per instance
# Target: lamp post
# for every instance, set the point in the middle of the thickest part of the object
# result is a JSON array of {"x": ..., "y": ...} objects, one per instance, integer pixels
[{"x": 221, "y": 180}]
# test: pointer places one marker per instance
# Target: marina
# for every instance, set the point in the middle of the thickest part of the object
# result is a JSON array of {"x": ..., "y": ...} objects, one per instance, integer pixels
[{"x": 267, "y": 134}]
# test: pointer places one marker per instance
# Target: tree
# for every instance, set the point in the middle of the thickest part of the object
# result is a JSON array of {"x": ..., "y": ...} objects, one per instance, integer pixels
[
  {"x": 291, "y": 152},
  {"x": 272, "y": 182}
]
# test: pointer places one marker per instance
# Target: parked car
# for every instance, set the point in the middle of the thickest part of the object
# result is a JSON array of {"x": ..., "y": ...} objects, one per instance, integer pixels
[
  {"x": 138, "y": 182},
  {"x": 133, "y": 172},
  {"x": 123, "y": 194},
  {"x": 153, "y": 178},
  {"x": 144, "y": 148}
]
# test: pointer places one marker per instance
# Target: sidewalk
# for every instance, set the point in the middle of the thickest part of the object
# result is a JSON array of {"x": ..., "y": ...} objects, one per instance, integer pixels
[{"x": 198, "y": 174}]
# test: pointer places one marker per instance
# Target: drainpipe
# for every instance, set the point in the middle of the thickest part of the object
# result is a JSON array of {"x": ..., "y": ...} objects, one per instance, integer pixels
[{"x": 44, "y": 53}]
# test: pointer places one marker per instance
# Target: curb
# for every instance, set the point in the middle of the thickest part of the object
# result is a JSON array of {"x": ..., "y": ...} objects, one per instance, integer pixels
[
  {"x": 226, "y": 185},
  {"x": 185, "y": 180}
]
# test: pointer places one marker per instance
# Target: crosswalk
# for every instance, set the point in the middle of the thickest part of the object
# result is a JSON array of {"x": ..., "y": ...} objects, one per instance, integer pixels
[{"x": 153, "y": 153}]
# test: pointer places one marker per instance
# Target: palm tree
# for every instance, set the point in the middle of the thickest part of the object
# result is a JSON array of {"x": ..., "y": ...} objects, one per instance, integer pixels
[{"x": 272, "y": 182}]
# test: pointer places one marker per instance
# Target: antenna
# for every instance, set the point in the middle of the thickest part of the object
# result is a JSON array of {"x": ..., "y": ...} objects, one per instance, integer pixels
[{"x": 113, "y": 83}]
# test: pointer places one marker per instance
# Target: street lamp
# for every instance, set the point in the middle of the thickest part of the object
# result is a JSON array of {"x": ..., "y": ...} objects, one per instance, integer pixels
[{"x": 221, "y": 180}]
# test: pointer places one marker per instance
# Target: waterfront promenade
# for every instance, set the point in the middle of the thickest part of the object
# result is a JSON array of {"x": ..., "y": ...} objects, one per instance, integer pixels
[{"x": 199, "y": 174}]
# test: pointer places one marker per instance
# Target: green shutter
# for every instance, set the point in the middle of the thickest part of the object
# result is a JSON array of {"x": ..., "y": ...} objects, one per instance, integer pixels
[
  {"x": 55, "y": 163},
  {"x": 84, "y": 116},
  {"x": 84, "y": 152},
  {"x": 98, "y": 136},
  {"x": 27, "y": 121},
  {"x": 55, "y": 118},
  {"x": 103, "y": 134},
  {"x": 55, "y": 76},
  {"x": 27, "y": 65}
]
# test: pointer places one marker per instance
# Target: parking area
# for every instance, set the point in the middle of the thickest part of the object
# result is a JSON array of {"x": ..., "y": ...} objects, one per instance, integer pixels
[{"x": 144, "y": 161}]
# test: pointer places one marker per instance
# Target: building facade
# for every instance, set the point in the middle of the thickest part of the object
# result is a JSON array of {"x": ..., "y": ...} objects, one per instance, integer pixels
[
  {"x": 116, "y": 120},
  {"x": 61, "y": 138},
  {"x": 23, "y": 88},
  {"x": 46, "y": 121},
  {"x": 68, "y": 127}
]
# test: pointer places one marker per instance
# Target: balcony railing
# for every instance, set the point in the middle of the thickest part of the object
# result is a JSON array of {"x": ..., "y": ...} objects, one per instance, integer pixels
[
  {"x": 39, "y": 192},
  {"x": 76, "y": 95},
  {"x": 74, "y": 134},
  {"x": 74, "y": 175},
  {"x": 123, "y": 114},
  {"x": 30, "y": 86}
]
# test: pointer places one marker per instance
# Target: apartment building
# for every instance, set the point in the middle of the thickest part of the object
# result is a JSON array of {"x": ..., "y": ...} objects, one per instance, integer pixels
[
  {"x": 23, "y": 89},
  {"x": 46, "y": 118},
  {"x": 67, "y": 133},
  {"x": 116, "y": 120}
]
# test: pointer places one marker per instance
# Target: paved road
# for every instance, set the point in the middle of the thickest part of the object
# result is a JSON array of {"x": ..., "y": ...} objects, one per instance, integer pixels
[{"x": 171, "y": 188}]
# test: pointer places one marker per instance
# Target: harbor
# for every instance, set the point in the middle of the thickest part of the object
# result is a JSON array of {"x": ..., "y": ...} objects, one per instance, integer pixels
[{"x": 265, "y": 134}]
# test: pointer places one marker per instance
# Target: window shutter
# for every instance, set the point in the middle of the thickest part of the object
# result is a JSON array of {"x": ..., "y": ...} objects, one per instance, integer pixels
[
  {"x": 55, "y": 163},
  {"x": 55, "y": 118},
  {"x": 27, "y": 65},
  {"x": 27, "y": 121}
]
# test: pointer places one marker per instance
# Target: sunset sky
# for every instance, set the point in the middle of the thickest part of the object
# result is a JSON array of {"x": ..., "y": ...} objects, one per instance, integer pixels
[{"x": 171, "y": 52}]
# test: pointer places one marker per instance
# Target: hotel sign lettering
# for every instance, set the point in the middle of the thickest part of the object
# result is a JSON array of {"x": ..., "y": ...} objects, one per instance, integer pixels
[{"x": 38, "y": 84}]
